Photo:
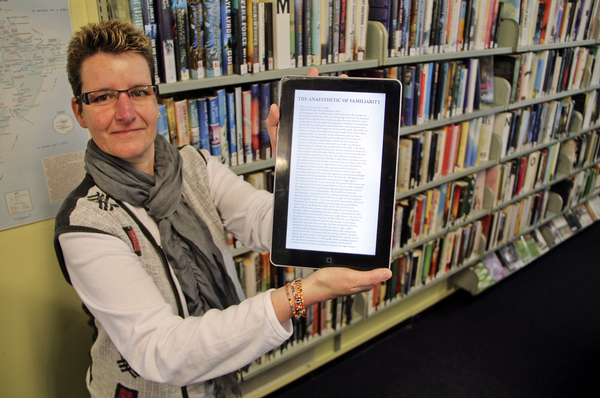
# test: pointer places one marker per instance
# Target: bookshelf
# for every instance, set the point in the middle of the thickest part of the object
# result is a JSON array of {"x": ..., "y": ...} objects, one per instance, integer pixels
[{"x": 368, "y": 320}]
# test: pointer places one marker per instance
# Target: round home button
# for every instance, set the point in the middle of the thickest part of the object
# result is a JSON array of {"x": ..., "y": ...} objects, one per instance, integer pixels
[{"x": 329, "y": 260}]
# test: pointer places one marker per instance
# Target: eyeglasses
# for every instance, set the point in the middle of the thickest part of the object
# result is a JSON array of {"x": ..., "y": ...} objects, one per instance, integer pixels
[{"x": 110, "y": 97}]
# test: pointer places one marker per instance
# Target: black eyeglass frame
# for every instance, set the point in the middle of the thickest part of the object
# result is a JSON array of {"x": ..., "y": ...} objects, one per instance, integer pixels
[{"x": 84, "y": 97}]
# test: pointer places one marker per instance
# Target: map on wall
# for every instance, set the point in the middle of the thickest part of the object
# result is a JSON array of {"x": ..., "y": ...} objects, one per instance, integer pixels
[{"x": 41, "y": 143}]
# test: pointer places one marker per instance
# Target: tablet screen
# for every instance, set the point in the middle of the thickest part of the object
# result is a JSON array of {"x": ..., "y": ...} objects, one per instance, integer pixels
[
  {"x": 335, "y": 172},
  {"x": 333, "y": 202}
]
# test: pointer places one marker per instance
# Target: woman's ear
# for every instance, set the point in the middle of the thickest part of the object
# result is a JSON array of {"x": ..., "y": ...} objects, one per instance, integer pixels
[{"x": 75, "y": 105}]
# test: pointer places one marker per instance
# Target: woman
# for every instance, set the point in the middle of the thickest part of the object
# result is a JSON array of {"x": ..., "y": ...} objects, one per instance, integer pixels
[{"x": 142, "y": 239}]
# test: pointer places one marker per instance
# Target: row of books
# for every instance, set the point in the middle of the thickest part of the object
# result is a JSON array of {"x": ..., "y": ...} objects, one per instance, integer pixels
[
  {"x": 538, "y": 74},
  {"x": 229, "y": 123},
  {"x": 521, "y": 175},
  {"x": 503, "y": 225},
  {"x": 582, "y": 150},
  {"x": 418, "y": 27},
  {"x": 433, "y": 154},
  {"x": 429, "y": 212},
  {"x": 554, "y": 21},
  {"x": 437, "y": 90},
  {"x": 198, "y": 38},
  {"x": 514, "y": 255},
  {"x": 578, "y": 187},
  {"x": 424, "y": 264},
  {"x": 525, "y": 248},
  {"x": 530, "y": 126}
]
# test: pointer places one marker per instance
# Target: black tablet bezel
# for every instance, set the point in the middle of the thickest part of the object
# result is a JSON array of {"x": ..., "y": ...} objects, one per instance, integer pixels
[{"x": 280, "y": 256}]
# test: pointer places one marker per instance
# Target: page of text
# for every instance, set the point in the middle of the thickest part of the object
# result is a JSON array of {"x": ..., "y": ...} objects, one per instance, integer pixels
[{"x": 335, "y": 170}]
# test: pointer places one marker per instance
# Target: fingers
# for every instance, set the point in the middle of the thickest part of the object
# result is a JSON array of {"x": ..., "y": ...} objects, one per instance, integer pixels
[
  {"x": 272, "y": 123},
  {"x": 313, "y": 72}
]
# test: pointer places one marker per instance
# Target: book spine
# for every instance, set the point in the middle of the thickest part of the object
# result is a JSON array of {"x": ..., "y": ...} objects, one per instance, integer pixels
[
  {"x": 232, "y": 129},
  {"x": 255, "y": 119},
  {"x": 180, "y": 22},
  {"x": 166, "y": 56},
  {"x": 212, "y": 35},
  {"x": 240, "y": 37},
  {"x": 202, "y": 105},
  {"x": 247, "y": 124},
  {"x": 239, "y": 124},
  {"x": 194, "y": 123},
  {"x": 223, "y": 131},
  {"x": 265, "y": 104},
  {"x": 196, "y": 27},
  {"x": 226, "y": 37},
  {"x": 150, "y": 28},
  {"x": 213, "y": 122}
]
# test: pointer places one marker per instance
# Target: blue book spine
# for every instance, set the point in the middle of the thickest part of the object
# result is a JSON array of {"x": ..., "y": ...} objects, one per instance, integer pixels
[
  {"x": 203, "y": 123},
  {"x": 265, "y": 104},
  {"x": 214, "y": 129},
  {"x": 212, "y": 35},
  {"x": 222, "y": 98},
  {"x": 231, "y": 127},
  {"x": 163, "y": 123},
  {"x": 194, "y": 123},
  {"x": 428, "y": 93}
]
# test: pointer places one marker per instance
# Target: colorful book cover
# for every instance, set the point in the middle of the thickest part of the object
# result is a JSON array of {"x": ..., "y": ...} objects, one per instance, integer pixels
[
  {"x": 172, "y": 121},
  {"x": 494, "y": 266}
]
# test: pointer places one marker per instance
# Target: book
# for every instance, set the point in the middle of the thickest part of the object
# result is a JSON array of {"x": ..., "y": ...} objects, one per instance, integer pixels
[
  {"x": 486, "y": 65},
  {"x": 226, "y": 37},
  {"x": 247, "y": 125},
  {"x": 281, "y": 34},
  {"x": 231, "y": 128},
  {"x": 214, "y": 125},
  {"x": 264, "y": 106},
  {"x": 193, "y": 122},
  {"x": 494, "y": 266},
  {"x": 196, "y": 38},
  {"x": 240, "y": 37},
  {"x": 166, "y": 53},
  {"x": 181, "y": 38},
  {"x": 163, "y": 123},
  {"x": 202, "y": 105},
  {"x": 509, "y": 257},
  {"x": 169, "y": 104},
  {"x": 212, "y": 35}
]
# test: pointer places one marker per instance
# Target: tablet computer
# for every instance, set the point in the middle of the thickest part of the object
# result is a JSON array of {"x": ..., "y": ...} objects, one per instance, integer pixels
[{"x": 335, "y": 172}]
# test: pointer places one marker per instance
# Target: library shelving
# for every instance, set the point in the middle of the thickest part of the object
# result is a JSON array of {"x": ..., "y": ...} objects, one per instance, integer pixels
[{"x": 378, "y": 311}]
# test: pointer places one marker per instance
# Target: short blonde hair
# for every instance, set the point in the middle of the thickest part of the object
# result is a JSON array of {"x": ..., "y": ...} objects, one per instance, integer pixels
[{"x": 113, "y": 37}]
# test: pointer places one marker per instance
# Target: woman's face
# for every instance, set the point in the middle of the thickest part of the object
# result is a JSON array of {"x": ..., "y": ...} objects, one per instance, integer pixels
[{"x": 126, "y": 129}]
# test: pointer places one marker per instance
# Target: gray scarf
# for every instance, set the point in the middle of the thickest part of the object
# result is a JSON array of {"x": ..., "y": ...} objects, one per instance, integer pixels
[{"x": 197, "y": 262}]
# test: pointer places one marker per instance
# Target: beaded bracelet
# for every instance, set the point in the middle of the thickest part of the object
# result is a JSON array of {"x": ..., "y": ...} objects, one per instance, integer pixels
[
  {"x": 300, "y": 309},
  {"x": 287, "y": 292}
]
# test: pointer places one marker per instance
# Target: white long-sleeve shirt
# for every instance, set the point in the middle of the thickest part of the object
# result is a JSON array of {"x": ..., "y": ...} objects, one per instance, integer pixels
[{"x": 158, "y": 344}]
